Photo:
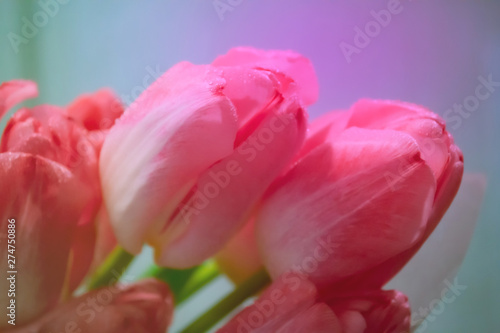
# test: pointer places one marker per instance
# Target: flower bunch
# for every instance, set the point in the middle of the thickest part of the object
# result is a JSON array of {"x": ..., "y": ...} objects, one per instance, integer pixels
[{"x": 220, "y": 161}]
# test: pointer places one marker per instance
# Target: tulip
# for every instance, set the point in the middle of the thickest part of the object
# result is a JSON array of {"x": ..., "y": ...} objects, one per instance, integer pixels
[
  {"x": 62, "y": 135},
  {"x": 293, "y": 304},
  {"x": 184, "y": 166},
  {"x": 143, "y": 307},
  {"x": 369, "y": 187},
  {"x": 51, "y": 195},
  {"x": 39, "y": 196}
]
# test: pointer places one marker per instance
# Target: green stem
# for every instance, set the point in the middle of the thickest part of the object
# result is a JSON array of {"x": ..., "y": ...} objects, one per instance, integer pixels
[
  {"x": 247, "y": 289},
  {"x": 205, "y": 274},
  {"x": 112, "y": 269},
  {"x": 184, "y": 283}
]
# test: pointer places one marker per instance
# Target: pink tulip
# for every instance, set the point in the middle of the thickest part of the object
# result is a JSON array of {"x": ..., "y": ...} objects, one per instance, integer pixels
[
  {"x": 292, "y": 304},
  {"x": 185, "y": 165},
  {"x": 369, "y": 187},
  {"x": 51, "y": 189}
]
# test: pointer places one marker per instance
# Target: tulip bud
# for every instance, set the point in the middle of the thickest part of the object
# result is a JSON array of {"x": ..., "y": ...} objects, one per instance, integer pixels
[
  {"x": 192, "y": 156},
  {"x": 369, "y": 184}
]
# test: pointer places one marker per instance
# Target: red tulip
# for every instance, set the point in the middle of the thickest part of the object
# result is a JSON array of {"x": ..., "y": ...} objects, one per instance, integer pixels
[
  {"x": 185, "y": 165},
  {"x": 368, "y": 188},
  {"x": 292, "y": 304},
  {"x": 96, "y": 113},
  {"x": 144, "y": 307},
  {"x": 51, "y": 194},
  {"x": 39, "y": 196}
]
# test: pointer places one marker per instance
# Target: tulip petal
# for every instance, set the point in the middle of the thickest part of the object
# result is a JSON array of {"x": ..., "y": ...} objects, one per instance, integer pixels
[
  {"x": 290, "y": 63},
  {"x": 425, "y": 276},
  {"x": 326, "y": 128},
  {"x": 179, "y": 126},
  {"x": 448, "y": 186},
  {"x": 105, "y": 239},
  {"x": 381, "y": 114},
  {"x": 41, "y": 196},
  {"x": 226, "y": 193},
  {"x": 250, "y": 91},
  {"x": 426, "y": 127},
  {"x": 143, "y": 307},
  {"x": 46, "y": 131},
  {"x": 14, "y": 92},
  {"x": 97, "y": 111},
  {"x": 368, "y": 195}
]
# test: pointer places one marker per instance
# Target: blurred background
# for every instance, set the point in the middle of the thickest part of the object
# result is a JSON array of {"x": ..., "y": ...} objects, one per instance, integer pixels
[{"x": 431, "y": 53}]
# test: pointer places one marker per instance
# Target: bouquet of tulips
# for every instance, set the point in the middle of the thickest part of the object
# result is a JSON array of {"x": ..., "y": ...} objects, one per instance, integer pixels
[{"x": 217, "y": 168}]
